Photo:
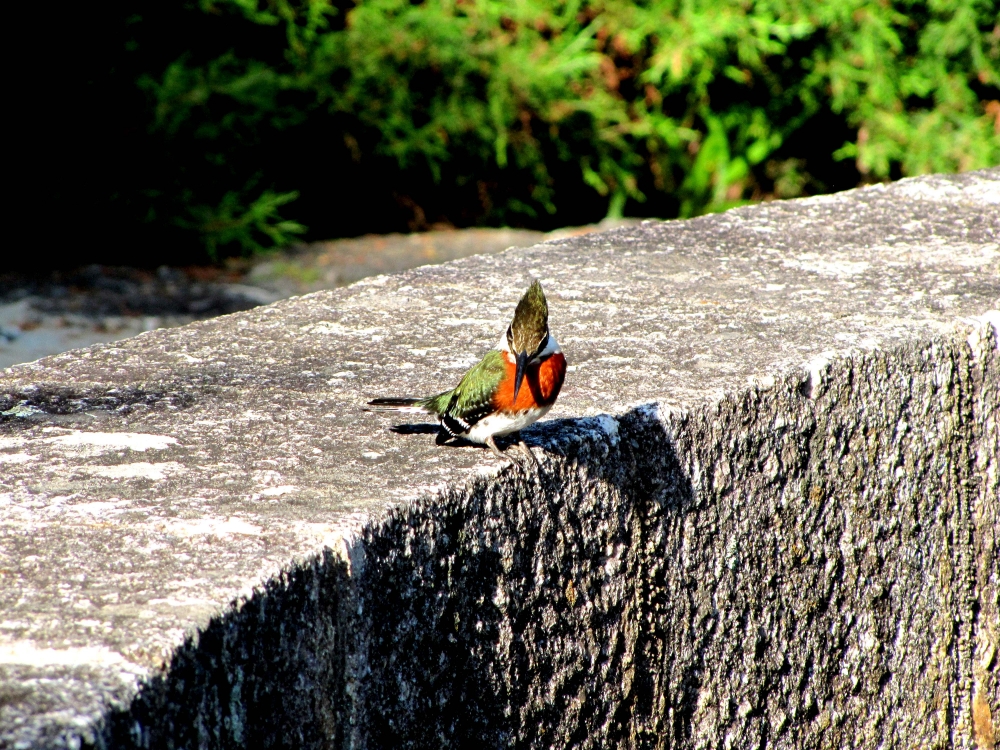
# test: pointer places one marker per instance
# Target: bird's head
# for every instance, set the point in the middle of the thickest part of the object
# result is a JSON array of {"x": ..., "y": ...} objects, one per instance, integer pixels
[{"x": 528, "y": 332}]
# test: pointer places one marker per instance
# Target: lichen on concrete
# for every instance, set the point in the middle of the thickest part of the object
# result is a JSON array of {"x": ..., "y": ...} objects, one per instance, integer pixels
[{"x": 767, "y": 511}]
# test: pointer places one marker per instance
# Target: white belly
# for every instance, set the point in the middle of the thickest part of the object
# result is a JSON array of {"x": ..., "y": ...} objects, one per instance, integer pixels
[{"x": 503, "y": 424}]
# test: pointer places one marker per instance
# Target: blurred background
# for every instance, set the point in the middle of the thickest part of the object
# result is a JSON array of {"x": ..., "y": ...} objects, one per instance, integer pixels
[
  {"x": 210, "y": 133},
  {"x": 177, "y": 132}
]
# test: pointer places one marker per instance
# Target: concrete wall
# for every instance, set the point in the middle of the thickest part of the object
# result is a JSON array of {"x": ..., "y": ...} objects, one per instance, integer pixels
[
  {"x": 810, "y": 565},
  {"x": 767, "y": 511}
]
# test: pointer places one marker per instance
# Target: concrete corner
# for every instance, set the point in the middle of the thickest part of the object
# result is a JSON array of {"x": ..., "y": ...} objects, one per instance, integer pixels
[{"x": 768, "y": 510}]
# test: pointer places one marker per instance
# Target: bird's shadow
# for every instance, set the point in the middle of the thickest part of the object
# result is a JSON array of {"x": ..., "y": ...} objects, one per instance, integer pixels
[
  {"x": 534, "y": 436},
  {"x": 425, "y": 428}
]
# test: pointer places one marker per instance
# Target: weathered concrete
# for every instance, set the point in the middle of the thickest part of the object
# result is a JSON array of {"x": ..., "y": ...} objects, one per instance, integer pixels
[{"x": 768, "y": 511}]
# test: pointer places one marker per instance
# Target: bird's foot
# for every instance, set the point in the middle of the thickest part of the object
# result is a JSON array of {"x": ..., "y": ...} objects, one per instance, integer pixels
[
  {"x": 496, "y": 451},
  {"x": 523, "y": 448}
]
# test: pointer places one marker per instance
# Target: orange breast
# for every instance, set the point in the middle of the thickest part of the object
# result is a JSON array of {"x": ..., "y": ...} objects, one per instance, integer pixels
[{"x": 540, "y": 386}]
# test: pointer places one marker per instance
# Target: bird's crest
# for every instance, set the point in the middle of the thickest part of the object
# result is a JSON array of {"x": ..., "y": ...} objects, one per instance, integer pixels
[{"x": 530, "y": 327}]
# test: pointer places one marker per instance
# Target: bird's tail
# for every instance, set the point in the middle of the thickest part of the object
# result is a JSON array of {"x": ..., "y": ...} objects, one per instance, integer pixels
[{"x": 411, "y": 405}]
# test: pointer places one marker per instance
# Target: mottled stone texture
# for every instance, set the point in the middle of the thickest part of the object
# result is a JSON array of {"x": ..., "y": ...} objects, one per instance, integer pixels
[
  {"x": 812, "y": 565},
  {"x": 767, "y": 512},
  {"x": 268, "y": 674}
]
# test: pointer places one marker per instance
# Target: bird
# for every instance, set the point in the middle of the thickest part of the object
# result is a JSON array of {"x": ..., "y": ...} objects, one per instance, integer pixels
[{"x": 513, "y": 385}]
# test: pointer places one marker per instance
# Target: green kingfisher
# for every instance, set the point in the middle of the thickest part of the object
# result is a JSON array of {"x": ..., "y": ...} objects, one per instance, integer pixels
[{"x": 513, "y": 385}]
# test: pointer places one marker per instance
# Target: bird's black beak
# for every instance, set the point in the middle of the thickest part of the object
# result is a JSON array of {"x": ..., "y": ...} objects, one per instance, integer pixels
[{"x": 522, "y": 363}]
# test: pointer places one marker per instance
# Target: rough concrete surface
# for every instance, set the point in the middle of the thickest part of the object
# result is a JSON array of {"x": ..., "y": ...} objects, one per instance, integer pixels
[{"x": 767, "y": 512}]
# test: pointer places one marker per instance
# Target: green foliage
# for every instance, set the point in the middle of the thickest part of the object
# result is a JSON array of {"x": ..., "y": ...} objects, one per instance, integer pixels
[
  {"x": 906, "y": 80},
  {"x": 255, "y": 228},
  {"x": 552, "y": 111}
]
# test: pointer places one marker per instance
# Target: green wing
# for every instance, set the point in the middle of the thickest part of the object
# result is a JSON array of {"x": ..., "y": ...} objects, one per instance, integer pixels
[{"x": 472, "y": 399}]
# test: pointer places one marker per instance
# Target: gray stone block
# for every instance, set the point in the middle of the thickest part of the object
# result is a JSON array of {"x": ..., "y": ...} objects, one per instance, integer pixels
[{"x": 767, "y": 512}]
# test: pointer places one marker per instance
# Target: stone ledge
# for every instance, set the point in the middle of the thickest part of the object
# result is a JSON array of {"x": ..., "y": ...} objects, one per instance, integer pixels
[{"x": 786, "y": 532}]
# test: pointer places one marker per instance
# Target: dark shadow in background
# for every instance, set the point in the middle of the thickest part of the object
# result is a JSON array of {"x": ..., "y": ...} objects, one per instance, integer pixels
[{"x": 94, "y": 183}]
